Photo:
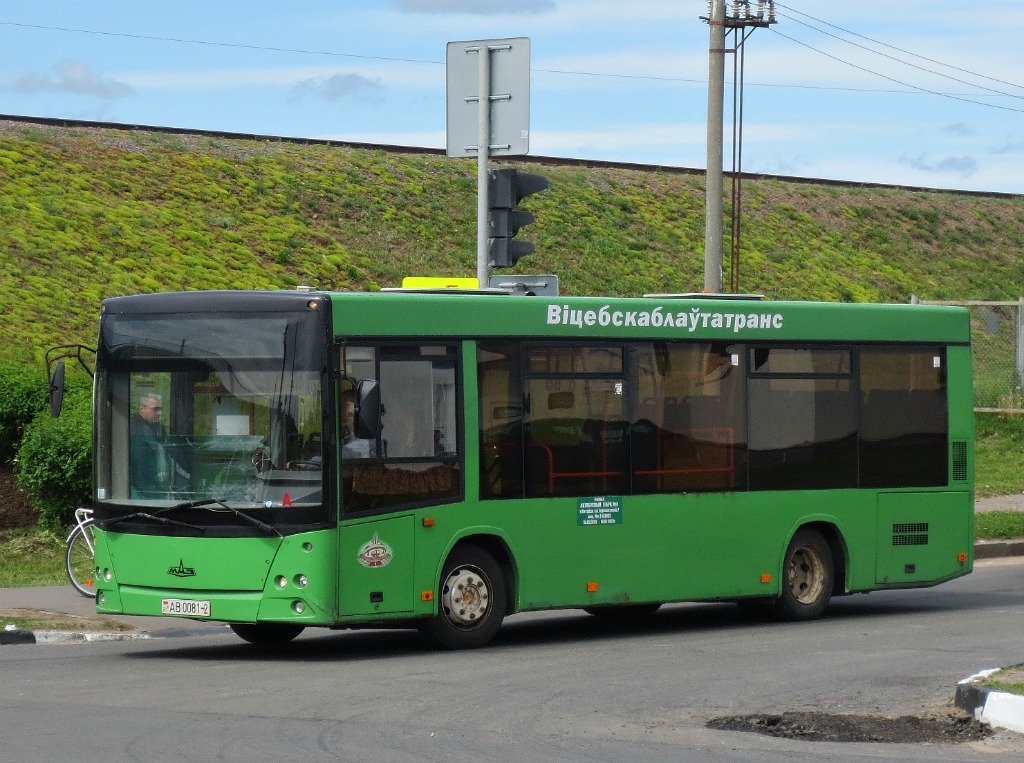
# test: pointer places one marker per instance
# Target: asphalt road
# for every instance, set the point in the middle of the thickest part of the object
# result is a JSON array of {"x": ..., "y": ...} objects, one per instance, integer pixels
[{"x": 558, "y": 686}]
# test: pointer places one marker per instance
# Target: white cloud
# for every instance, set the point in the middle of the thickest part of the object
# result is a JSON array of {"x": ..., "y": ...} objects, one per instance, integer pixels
[
  {"x": 381, "y": 73},
  {"x": 338, "y": 86},
  {"x": 1010, "y": 147},
  {"x": 964, "y": 166},
  {"x": 71, "y": 77}
]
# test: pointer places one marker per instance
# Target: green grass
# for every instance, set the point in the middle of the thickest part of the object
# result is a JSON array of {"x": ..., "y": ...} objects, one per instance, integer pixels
[
  {"x": 1007, "y": 679},
  {"x": 999, "y": 448},
  {"x": 1011, "y": 688},
  {"x": 999, "y": 525},
  {"x": 31, "y": 557},
  {"x": 91, "y": 213}
]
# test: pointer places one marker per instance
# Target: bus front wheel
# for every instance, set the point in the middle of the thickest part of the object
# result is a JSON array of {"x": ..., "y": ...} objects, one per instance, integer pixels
[
  {"x": 807, "y": 577},
  {"x": 472, "y": 600}
]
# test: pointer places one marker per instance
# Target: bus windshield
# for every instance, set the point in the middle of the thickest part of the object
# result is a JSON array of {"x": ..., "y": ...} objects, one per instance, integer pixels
[{"x": 221, "y": 410}]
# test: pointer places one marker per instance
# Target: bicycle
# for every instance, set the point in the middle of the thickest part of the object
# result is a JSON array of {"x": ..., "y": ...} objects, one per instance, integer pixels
[{"x": 80, "y": 555}]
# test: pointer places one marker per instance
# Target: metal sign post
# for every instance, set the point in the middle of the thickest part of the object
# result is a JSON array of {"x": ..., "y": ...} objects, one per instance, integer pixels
[
  {"x": 483, "y": 142},
  {"x": 492, "y": 78}
]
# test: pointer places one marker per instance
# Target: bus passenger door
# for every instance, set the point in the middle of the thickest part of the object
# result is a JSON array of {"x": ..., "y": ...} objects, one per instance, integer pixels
[{"x": 375, "y": 574}]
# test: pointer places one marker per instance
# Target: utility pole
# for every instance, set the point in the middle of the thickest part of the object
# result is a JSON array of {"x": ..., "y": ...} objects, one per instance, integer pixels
[
  {"x": 713, "y": 182},
  {"x": 740, "y": 22}
]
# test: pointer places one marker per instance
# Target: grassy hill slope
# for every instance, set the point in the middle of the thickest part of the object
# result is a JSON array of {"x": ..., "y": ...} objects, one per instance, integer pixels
[{"x": 89, "y": 213}]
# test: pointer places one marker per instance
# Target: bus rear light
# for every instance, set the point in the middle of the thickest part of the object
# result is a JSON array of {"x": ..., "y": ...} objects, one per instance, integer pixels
[
  {"x": 961, "y": 557},
  {"x": 591, "y": 587},
  {"x": 766, "y": 577}
]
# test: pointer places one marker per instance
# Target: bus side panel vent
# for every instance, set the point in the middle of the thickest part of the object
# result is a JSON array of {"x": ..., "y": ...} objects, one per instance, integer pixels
[
  {"x": 910, "y": 534},
  {"x": 959, "y": 461}
]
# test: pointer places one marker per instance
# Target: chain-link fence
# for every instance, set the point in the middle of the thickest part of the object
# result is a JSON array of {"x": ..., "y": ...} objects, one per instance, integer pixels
[{"x": 997, "y": 336}]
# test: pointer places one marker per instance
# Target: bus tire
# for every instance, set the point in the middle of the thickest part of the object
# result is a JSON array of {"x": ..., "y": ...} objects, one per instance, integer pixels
[
  {"x": 267, "y": 634},
  {"x": 807, "y": 577},
  {"x": 471, "y": 601}
]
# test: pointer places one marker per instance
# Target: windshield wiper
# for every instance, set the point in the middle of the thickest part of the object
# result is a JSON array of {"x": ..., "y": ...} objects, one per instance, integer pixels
[
  {"x": 206, "y": 502},
  {"x": 143, "y": 515}
]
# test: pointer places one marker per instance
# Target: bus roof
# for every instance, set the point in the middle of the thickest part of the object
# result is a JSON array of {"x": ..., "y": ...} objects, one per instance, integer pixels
[
  {"x": 464, "y": 313},
  {"x": 658, "y": 317}
]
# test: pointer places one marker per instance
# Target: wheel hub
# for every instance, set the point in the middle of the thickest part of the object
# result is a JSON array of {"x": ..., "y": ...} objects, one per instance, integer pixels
[
  {"x": 465, "y": 597},
  {"x": 806, "y": 575}
]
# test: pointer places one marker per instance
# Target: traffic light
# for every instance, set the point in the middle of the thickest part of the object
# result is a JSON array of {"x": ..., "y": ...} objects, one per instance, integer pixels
[{"x": 505, "y": 189}]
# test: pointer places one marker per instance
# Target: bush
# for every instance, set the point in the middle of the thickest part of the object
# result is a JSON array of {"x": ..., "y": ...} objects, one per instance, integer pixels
[
  {"x": 23, "y": 391},
  {"x": 53, "y": 465}
]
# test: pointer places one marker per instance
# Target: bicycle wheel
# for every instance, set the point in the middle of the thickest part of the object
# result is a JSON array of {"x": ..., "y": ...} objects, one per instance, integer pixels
[{"x": 79, "y": 560}]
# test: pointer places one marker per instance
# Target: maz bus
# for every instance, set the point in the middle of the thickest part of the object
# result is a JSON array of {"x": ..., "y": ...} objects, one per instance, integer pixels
[{"x": 443, "y": 460}]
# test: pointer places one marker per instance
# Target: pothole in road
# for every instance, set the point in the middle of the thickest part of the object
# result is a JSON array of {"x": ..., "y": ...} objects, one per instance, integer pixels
[{"x": 826, "y": 727}]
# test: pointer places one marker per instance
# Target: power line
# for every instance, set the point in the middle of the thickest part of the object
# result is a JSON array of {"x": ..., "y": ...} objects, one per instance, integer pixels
[
  {"x": 901, "y": 61},
  {"x": 217, "y": 44},
  {"x": 900, "y": 50},
  {"x": 652, "y": 78},
  {"x": 893, "y": 79},
  {"x": 309, "y": 52}
]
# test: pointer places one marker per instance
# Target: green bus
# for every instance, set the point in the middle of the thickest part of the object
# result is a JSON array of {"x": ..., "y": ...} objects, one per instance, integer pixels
[{"x": 282, "y": 460}]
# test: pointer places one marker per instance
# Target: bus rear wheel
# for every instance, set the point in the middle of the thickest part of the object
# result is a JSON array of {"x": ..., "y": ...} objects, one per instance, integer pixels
[
  {"x": 267, "y": 634},
  {"x": 472, "y": 600},
  {"x": 807, "y": 577}
]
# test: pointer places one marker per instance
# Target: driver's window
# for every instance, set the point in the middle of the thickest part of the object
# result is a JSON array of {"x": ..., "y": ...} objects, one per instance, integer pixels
[{"x": 413, "y": 456}]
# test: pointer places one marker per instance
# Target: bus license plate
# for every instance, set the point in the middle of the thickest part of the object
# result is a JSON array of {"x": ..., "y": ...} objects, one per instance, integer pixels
[{"x": 185, "y": 607}]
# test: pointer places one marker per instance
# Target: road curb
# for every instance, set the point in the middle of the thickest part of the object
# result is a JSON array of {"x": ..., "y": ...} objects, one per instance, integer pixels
[
  {"x": 78, "y": 637},
  {"x": 67, "y": 637},
  {"x": 996, "y": 708},
  {"x": 995, "y": 549}
]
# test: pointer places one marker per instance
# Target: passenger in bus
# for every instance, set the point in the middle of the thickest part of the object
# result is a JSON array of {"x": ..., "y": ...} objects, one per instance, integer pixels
[
  {"x": 352, "y": 446},
  {"x": 148, "y": 467}
]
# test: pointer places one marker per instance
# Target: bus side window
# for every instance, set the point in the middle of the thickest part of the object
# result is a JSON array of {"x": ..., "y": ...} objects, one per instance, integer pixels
[
  {"x": 904, "y": 418},
  {"x": 501, "y": 420},
  {"x": 688, "y": 429}
]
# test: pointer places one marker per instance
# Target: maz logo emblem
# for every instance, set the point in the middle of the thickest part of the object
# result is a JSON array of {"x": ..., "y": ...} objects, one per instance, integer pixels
[{"x": 181, "y": 570}]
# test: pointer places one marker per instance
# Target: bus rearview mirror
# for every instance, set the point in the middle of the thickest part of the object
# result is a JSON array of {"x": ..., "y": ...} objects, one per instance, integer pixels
[
  {"x": 368, "y": 409},
  {"x": 57, "y": 389}
]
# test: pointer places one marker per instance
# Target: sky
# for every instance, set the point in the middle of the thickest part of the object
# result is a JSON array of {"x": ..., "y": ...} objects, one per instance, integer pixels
[{"x": 923, "y": 93}]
